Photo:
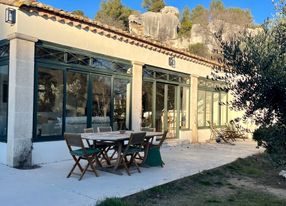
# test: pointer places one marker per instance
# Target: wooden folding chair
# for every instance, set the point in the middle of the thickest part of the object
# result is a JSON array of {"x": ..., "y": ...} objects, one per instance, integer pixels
[
  {"x": 134, "y": 146},
  {"x": 100, "y": 145},
  {"x": 79, "y": 152}
]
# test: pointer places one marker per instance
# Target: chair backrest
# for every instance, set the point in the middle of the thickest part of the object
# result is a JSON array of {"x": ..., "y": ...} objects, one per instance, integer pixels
[
  {"x": 73, "y": 140},
  {"x": 104, "y": 129},
  {"x": 163, "y": 138},
  {"x": 136, "y": 140},
  {"x": 88, "y": 130}
]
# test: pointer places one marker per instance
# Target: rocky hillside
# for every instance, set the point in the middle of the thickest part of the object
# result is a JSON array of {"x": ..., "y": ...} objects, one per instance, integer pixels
[{"x": 164, "y": 26}]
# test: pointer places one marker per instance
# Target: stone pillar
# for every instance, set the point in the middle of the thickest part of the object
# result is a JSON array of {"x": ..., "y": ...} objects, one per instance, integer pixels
[
  {"x": 194, "y": 106},
  {"x": 21, "y": 100},
  {"x": 136, "y": 113}
]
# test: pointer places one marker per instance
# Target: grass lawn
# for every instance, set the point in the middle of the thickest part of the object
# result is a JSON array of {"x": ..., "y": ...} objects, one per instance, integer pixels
[{"x": 250, "y": 181}]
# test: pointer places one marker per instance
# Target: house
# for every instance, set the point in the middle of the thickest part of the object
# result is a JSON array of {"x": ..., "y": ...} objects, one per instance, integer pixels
[{"x": 62, "y": 73}]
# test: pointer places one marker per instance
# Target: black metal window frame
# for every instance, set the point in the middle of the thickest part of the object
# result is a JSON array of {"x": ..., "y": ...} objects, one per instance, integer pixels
[
  {"x": 206, "y": 85},
  {"x": 4, "y": 61},
  {"x": 65, "y": 66}
]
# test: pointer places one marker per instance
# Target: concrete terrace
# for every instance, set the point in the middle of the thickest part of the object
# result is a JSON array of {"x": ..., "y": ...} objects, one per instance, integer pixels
[{"x": 48, "y": 185}]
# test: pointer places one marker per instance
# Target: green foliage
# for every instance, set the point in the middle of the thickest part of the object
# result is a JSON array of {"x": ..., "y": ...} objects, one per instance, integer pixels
[
  {"x": 78, "y": 13},
  {"x": 186, "y": 23},
  {"x": 260, "y": 62},
  {"x": 199, "y": 49},
  {"x": 273, "y": 138},
  {"x": 217, "y": 11},
  {"x": 153, "y": 5},
  {"x": 199, "y": 15},
  {"x": 113, "y": 13},
  {"x": 112, "y": 202}
]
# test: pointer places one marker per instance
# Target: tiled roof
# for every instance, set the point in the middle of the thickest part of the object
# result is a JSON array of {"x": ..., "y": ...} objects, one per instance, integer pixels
[{"x": 103, "y": 29}]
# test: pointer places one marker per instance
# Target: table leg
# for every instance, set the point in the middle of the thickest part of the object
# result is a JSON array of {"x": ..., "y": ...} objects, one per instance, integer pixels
[{"x": 118, "y": 161}]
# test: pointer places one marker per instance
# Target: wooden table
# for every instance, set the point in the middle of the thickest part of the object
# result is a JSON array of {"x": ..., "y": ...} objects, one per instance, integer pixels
[{"x": 118, "y": 139}]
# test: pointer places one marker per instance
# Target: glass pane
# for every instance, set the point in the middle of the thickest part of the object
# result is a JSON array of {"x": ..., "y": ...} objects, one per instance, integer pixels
[
  {"x": 147, "y": 105},
  {"x": 202, "y": 83},
  {"x": 201, "y": 108},
  {"x": 208, "y": 108},
  {"x": 174, "y": 78},
  {"x": 3, "y": 100},
  {"x": 76, "y": 105},
  {"x": 50, "y": 54},
  {"x": 161, "y": 75},
  {"x": 4, "y": 51},
  {"x": 160, "y": 93},
  {"x": 148, "y": 73},
  {"x": 50, "y": 102},
  {"x": 172, "y": 111},
  {"x": 185, "y": 80},
  {"x": 101, "y": 91},
  {"x": 185, "y": 96},
  {"x": 113, "y": 66},
  {"x": 223, "y": 107},
  {"x": 78, "y": 59},
  {"x": 216, "y": 108},
  {"x": 121, "y": 104}
]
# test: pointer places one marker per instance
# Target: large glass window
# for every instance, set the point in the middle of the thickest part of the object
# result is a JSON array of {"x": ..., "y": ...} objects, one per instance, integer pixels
[
  {"x": 165, "y": 100},
  {"x": 185, "y": 108},
  {"x": 3, "y": 100},
  {"x": 101, "y": 101},
  {"x": 50, "y": 102},
  {"x": 147, "y": 105},
  {"x": 212, "y": 105},
  {"x": 121, "y": 104},
  {"x": 76, "y": 106}
]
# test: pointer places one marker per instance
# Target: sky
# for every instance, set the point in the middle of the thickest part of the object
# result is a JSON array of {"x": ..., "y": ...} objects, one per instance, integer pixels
[{"x": 260, "y": 9}]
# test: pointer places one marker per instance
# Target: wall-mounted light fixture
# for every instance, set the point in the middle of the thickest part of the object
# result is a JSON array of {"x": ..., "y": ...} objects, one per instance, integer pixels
[
  {"x": 10, "y": 15},
  {"x": 172, "y": 62}
]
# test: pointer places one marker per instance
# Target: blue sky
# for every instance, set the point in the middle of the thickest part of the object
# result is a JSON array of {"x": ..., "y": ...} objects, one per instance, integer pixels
[{"x": 261, "y": 9}]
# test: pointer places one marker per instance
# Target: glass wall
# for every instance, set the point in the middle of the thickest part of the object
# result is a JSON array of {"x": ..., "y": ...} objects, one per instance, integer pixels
[
  {"x": 147, "y": 105},
  {"x": 4, "y": 79},
  {"x": 74, "y": 91},
  {"x": 165, "y": 100},
  {"x": 121, "y": 94},
  {"x": 101, "y": 101},
  {"x": 50, "y": 102},
  {"x": 4, "y": 84},
  {"x": 212, "y": 104},
  {"x": 76, "y": 102}
]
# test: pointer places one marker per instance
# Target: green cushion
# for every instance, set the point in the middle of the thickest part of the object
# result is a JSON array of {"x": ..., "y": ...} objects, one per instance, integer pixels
[
  {"x": 89, "y": 151},
  {"x": 154, "y": 157},
  {"x": 132, "y": 150}
]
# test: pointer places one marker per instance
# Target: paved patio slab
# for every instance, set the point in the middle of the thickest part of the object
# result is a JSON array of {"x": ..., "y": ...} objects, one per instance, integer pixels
[{"x": 48, "y": 185}]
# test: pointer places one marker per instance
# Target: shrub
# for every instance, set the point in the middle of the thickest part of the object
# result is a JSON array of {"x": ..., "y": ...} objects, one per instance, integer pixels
[
  {"x": 112, "y": 202},
  {"x": 273, "y": 138}
]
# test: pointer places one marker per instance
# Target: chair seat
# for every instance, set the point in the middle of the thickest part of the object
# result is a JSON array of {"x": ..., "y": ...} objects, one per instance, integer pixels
[
  {"x": 132, "y": 150},
  {"x": 89, "y": 151}
]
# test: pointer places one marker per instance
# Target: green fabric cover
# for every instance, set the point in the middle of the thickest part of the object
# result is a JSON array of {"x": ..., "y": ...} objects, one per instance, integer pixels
[
  {"x": 154, "y": 157},
  {"x": 133, "y": 150},
  {"x": 90, "y": 151}
]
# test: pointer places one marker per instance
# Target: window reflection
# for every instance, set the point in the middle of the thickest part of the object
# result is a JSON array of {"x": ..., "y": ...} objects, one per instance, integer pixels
[
  {"x": 147, "y": 106},
  {"x": 121, "y": 104},
  {"x": 185, "y": 109},
  {"x": 50, "y": 96},
  {"x": 3, "y": 100},
  {"x": 101, "y": 91},
  {"x": 76, "y": 105}
]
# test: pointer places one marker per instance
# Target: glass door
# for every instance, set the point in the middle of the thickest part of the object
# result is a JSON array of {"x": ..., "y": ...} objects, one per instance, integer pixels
[
  {"x": 100, "y": 101},
  {"x": 166, "y": 109},
  {"x": 76, "y": 102}
]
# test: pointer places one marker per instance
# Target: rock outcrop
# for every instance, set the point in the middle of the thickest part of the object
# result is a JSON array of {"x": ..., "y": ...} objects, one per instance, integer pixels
[{"x": 161, "y": 26}]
